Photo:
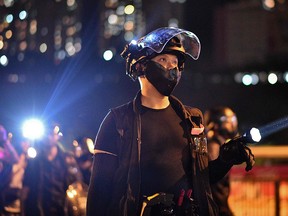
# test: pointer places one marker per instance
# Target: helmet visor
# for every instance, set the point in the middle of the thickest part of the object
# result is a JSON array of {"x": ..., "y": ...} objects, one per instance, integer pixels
[{"x": 157, "y": 40}]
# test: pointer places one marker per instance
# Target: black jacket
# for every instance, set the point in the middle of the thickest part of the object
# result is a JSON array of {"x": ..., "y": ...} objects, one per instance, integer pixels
[{"x": 124, "y": 186}]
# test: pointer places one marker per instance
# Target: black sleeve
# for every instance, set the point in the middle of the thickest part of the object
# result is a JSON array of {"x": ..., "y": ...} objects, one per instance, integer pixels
[
  {"x": 104, "y": 167},
  {"x": 107, "y": 135},
  {"x": 217, "y": 170}
]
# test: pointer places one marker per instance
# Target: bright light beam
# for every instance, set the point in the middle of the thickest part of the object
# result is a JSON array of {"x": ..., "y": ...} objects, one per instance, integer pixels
[
  {"x": 254, "y": 135},
  {"x": 33, "y": 129},
  {"x": 274, "y": 127}
]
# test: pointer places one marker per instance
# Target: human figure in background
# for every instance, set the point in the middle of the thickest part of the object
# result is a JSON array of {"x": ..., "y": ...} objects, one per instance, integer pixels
[
  {"x": 150, "y": 154},
  {"x": 83, "y": 157},
  {"x": 221, "y": 126},
  {"x": 11, "y": 173},
  {"x": 47, "y": 177}
]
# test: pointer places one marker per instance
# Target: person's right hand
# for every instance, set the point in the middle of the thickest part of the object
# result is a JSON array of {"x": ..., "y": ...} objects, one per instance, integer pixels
[{"x": 236, "y": 152}]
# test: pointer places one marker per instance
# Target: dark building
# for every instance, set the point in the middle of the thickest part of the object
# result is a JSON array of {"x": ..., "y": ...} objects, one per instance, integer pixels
[{"x": 52, "y": 63}]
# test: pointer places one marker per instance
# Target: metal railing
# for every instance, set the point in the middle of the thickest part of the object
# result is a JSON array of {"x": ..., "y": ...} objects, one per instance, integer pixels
[{"x": 263, "y": 191}]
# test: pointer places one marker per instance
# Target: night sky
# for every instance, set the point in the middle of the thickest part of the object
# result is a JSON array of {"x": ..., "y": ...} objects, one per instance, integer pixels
[{"x": 83, "y": 88}]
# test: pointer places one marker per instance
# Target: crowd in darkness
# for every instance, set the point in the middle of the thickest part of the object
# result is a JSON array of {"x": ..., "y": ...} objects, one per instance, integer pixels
[{"x": 54, "y": 182}]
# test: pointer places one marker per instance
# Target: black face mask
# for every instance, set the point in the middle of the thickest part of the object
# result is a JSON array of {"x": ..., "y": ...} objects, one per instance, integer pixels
[
  {"x": 227, "y": 134},
  {"x": 162, "y": 79}
]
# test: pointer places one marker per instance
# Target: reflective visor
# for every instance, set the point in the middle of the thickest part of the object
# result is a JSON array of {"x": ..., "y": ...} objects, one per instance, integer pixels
[{"x": 157, "y": 40}]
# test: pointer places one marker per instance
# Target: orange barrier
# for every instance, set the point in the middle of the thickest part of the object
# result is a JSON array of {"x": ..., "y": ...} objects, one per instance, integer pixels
[{"x": 263, "y": 191}]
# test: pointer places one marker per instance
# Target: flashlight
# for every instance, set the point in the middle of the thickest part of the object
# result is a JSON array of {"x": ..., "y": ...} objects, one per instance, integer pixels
[
  {"x": 253, "y": 135},
  {"x": 33, "y": 129}
]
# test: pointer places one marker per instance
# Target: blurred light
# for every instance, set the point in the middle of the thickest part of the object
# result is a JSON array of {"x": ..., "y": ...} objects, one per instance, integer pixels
[
  {"x": 272, "y": 78},
  {"x": 128, "y": 26},
  {"x": 120, "y": 10},
  {"x": 31, "y": 152},
  {"x": 263, "y": 77},
  {"x": 78, "y": 46},
  {"x": 238, "y": 77},
  {"x": 173, "y": 22},
  {"x": 90, "y": 145},
  {"x": 134, "y": 42},
  {"x": 1, "y": 44},
  {"x": 71, "y": 192},
  {"x": 286, "y": 76},
  {"x": 56, "y": 129},
  {"x": 10, "y": 135},
  {"x": 128, "y": 36},
  {"x": 71, "y": 31},
  {"x": 255, "y": 134},
  {"x": 129, "y": 9},
  {"x": 4, "y": 60},
  {"x": 112, "y": 19},
  {"x": 33, "y": 27},
  {"x": 247, "y": 79},
  {"x": 33, "y": 129},
  {"x": 22, "y": 15},
  {"x": 8, "y": 34},
  {"x": 20, "y": 56},
  {"x": 108, "y": 55},
  {"x": 268, "y": 4},
  {"x": 70, "y": 49},
  {"x": 43, "y": 47},
  {"x": 60, "y": 55},
  {"x": 23, "y": 46},
  {"x": 75, "y": 143},
  {"x": 13, "y": 78},
  {"x": 70, "y": 3},
  {"x": 9, "y": 18},
  {"x": 255, "y": 79},
  {"x": 8, "y": 3}
]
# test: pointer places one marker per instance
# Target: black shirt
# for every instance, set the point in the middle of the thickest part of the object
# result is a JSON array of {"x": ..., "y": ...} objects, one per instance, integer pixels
[{"x": 164, "y": 152}]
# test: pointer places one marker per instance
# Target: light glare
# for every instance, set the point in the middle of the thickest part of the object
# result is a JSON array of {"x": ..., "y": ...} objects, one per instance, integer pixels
[
  {"x": 272, "y": 78},
  {"x": 255, "y": 134},
  {"x": 4, "y": 60},
  {"x": 286, "y": 76},
  {"x": 33, "y": 129},
  {"x": 108, "y": 55},
  {"x": 9, "y": 18},
  {"x": 31, "y": 152},
  {"x": 129, "y": 9},
  {"x": 22, "y": 15},
  {"x": 247, "y": 79}
]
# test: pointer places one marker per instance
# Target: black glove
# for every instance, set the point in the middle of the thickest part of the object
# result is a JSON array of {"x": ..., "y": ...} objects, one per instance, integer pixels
[{"x": 236, "y": 152}]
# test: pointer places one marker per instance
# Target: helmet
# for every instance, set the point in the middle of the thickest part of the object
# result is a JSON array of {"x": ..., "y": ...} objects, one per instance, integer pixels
[
  {"x": 163, "y": 40},
  {"x": 218, "y": 116}
]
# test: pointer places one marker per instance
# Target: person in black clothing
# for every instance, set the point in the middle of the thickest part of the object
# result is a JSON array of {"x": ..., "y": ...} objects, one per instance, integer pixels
[
  {"x": 10, "y": 166},
  {"x": 221, "y": 126},
  {"x": 150, "y": 154},
  {"x": 83, "y": 157},
  {"x": 47, "y": 178}
]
